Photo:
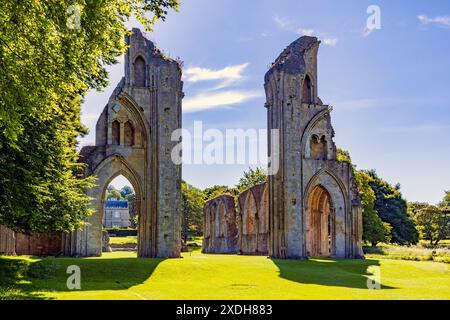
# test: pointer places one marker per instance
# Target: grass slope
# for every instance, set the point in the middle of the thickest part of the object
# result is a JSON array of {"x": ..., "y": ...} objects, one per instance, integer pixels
[{"x": 120, "y": 275}]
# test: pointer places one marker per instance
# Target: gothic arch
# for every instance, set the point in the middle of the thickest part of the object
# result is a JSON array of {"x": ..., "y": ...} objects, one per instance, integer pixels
[
  {"x": 339, "y": 205},
  {"x": 307, "y": 133},
  {"x": 105, "y": 172},
  {"x": 307, "y": 90},
  {"x": 139, "y": 71}
]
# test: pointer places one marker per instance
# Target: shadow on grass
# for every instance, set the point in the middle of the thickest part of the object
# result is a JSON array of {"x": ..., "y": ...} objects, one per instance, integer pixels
[
  {"x": 25, "y": 279},
  {"x": 351, "y": 273}
]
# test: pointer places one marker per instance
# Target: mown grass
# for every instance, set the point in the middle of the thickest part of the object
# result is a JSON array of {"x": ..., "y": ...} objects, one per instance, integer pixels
[
  {"x": 417, "y": 253},
  {"x": 123, "y": 240},
  {"x": 120, "y": 275}
]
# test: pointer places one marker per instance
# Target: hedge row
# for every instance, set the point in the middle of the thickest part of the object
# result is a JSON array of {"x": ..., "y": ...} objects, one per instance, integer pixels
[{"x": 121, "y": 232}]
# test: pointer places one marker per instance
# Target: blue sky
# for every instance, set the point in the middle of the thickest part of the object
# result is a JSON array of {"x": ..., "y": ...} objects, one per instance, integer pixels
[{"x": 389, "y": 89}]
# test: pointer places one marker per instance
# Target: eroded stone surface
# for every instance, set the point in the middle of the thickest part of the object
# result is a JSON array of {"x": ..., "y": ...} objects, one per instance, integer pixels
[
  {"x": 133, "y": 139},
  {"x": 304, "y": 222},
  {"x": 219, "y": 226}
]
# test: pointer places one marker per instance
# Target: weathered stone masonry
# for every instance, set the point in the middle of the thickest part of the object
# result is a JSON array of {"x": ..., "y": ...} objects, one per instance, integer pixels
[
  {"x": 133, "y": 139},
  {"x": 313, "y": 199},
  {"x": 219, "y": 221},
  {"x": 311, "y": 205}
]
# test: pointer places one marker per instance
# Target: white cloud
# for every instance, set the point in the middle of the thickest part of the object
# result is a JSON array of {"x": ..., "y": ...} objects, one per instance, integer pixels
[
  {"x": 440, "y": 20},
  {"x": 204, "y": 101},
  {"x": 329, "y": 41},
  {"x": 311, "y": 32},
  {"x": 228, "y": 75},
  {"x": 283, "y": 22},
  {"x": 306, "y": 32}
]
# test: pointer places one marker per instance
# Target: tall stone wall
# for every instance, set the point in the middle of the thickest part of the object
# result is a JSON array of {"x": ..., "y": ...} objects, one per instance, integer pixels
[
  {"x": 307, "y": 161},
  {"x": 133, "y": 139},
  {"x": 246, "y": 232},
  {"x": 220, "y": 230},
  {"x": 254, "y": 220}
]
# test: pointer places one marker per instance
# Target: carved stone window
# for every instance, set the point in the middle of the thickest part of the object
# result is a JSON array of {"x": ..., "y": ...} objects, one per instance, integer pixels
[
  {"x": 319, "y": 147},
  {"x": 115, "y": 132},
  {"x": 307, "y": 95},
  {"x": 139, "y": 72},
  {"x": 128, "y": 134}
]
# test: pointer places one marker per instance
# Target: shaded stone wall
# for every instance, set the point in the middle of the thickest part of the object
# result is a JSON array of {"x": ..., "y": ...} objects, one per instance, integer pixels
[
  {"x": 38, "y": 245},
  {"x": 219, "y": 226},
  {"x": 12, "y": 243},
  {"x": 246, "y": 232},
  {"x": 307, "y": 160},
  {"x": 254, "y": 220}
]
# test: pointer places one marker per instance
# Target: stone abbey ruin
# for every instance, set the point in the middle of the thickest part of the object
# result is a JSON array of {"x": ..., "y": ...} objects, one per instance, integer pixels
[{"x": 309, "y": 207}]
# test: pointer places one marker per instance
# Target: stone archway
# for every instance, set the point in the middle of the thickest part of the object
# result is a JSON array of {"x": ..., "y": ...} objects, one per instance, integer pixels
[
  {"x": 319, "y": 220},
  {"x": 107, "y": 172},
  {"x": 134, "y": 138}
]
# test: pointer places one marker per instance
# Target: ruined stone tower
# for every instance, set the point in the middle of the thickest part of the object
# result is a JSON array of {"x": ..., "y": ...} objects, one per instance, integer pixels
[
  {"x": 314, "y": 207},
  {"x": 133, "y": 138}
]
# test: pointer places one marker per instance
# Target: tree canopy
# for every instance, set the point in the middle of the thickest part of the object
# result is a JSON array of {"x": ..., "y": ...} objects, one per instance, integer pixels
[
  {"x": 51, "y": 53},
  {"x": 251, "y": 178}
]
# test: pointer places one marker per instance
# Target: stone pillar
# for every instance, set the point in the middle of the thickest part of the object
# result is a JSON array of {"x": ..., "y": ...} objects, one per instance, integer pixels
[{"x": 7, "y": 241}]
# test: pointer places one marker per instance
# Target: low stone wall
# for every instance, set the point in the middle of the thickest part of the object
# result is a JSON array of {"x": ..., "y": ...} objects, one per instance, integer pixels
[
  {"x": 38, "y": 245},
  {"x": 220, "y": 229},
  {"x": 15, "y": 243}
]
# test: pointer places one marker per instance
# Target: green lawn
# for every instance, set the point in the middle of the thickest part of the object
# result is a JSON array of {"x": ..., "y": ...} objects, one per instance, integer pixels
[
  {"x": 120, "y": 275},
  {"x": 123, "y": 240}
]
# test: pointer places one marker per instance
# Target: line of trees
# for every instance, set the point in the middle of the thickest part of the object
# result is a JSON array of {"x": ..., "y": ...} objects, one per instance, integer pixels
[{"x": 387, "y": 217}]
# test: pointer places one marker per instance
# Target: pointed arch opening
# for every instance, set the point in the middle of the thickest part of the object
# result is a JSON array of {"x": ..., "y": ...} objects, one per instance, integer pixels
[
  {"x": 319, "y": 221},
  {"x": 139, "y": 72},
  {"x": 307, "y": 90},
  {"x": 128, "y": 133},
  {"x": 318, "y": 147},
  {"x": 115, "y": 132}
]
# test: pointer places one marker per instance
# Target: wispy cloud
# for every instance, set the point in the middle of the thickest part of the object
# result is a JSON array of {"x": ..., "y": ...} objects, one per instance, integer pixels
[
  {"x": 205, "y": 101},
  {"x": 227, "y": 75},
  {"x": 311, "y": 32},
  {"x": 287, "y": 24},
  {"x": 440, "y": 20},
  {"x": 283, "y": 22},
  {"x": 306, "y": 32},
  {"x": 388, "y": 102}
]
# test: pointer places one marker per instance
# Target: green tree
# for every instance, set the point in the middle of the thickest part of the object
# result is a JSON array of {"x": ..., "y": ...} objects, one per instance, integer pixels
[
  {"x": 113, "y": 194},
  {"x": 374, "y": 229},
  {"x": 215, "y": 191},
  {"x": 51, "y": 53},
  {"x": 433, "y": 223},
  {"x": 392, "y": 208},
  {"x": 445, "y": 203},
  {"x": 192, "y": 205},
  {"x": 251, "y": 178},
  {"x": 125, "y": 191}
]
